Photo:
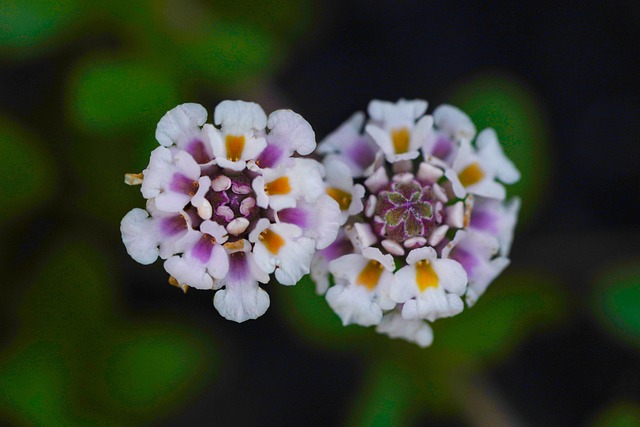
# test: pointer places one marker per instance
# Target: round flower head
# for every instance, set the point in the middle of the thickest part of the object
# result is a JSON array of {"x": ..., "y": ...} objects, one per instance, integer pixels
[
  {"x": 426, "y": 225},
  {"x": 231, "y": 203}
]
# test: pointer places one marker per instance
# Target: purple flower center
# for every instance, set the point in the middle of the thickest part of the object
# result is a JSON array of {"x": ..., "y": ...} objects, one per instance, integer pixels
[
  {"x": 405, "y": 210},
  {"x": 238, "y": 200}
]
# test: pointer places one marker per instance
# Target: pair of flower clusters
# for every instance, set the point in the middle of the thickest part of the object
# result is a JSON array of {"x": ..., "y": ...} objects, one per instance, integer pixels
[{"x": 405, "y": 215}]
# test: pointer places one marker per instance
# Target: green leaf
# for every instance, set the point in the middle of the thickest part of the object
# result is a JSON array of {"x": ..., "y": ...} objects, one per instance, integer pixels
[
  {"x": 616, "y": 299},
  {"x": 111, "y": 95},
  {"x": 510, "y": 107},
  {"x": 27, "y": 172}
]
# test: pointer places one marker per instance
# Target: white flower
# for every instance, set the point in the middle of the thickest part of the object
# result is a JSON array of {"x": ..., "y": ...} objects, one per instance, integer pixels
[
  {"x": 283, "y": 249},
  {"x": 429, "y": 287},
  {"x": 340, "y": 187},
  {"x": 430, "y": 202},
  {"x": 204, "y": 258},
  {"x": 238, "y": 139},
  {"x": 229, "y": 204},
  {"x": 400, "y": 128},
  {"x": 147, "y": 235},
  {"x": 362, "y": 286},
  {"x": 241, "y": 297}
]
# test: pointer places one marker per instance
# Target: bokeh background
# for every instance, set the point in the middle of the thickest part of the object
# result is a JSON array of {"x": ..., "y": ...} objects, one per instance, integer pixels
[{"x": 89, "y": 337}]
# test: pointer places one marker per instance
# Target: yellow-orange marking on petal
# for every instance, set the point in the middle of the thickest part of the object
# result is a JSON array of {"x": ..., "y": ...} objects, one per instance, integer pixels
[
  {"x": 400, "y": 138},
  {"x": 426, "y": 277},
  {"x": 235, "y": 145},
  {"x": 272, "y": 241},
  {"x": 342, "y": 197},
  {"x": 370, "y": 274},
  {"x": 472, "y": 174},
  {"x": 278, "y": 186}
]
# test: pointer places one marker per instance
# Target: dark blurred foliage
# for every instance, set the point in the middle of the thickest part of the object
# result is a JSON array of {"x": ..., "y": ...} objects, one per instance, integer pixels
[{"x": 91, "y": 337}]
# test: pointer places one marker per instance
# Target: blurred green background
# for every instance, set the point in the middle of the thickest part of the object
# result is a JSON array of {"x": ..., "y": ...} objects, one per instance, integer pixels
[{"x": 90, "y": 337}]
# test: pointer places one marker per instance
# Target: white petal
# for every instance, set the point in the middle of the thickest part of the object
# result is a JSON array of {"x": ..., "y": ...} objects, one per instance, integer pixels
[
  {"x": 295, "y": 261},
  {"x": 451, "y": 275},
  {"x": 189, "y": 272},
  {"x": 490, "y": 151},
  {"x": 179, "y": 122},
  {"x": 291, "y": 131},
  {"x": 239, "y": 117},
  {"x": 158, "y": 173},
  {"x": 482, "y": 278},
  {"x": 396, "y": 114},
  {"x": 420, "y": 254},
  {"x": 454, "y": 121},
  {"x": 353, "y": 304},
  {"x": 139, "y": 236},
  {"x": 241, "y": 301},
  {"x": 395, "y": 326}
]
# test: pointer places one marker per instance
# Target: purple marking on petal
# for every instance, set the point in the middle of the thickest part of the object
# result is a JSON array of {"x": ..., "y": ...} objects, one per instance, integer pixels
[
  {"x": 483, "y": 220},
  {"x": 295, "y": 216},
  {"x": 182, "y": 184},
  {"x": 172, "y": 225},
  {"x": 202, "y": 249},
  {"x": 238, "y": 267},
  {"x": 338, "y": 248},
  {"x": 468, "y": 261},
  {"x": 360, "y": 153},
  {"x": 442, "y": 147},
  {"x": 198, "y": 151},
  {"x": 270, "y": 156}
]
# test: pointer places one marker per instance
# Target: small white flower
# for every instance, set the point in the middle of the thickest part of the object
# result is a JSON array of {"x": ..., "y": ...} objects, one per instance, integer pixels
[
  {"x": 429, "y": 287},
  {"x": 204, "y": 258},
  {"x": 362, "y": 286},
  {"x": 340, "y": 187},
  {"x": 283, "y": 249},
  {"x": 475, "y": 174},
  {"x": 238, "y": 139},
  {"x": 241, "y": 298},
  {"x": 400, "y": 128}
]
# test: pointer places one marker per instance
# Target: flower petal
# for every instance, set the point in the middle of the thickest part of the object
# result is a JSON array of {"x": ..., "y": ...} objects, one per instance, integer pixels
[
  {"x": 139, "y": 236},
  {"x": 180, "y": 123}
]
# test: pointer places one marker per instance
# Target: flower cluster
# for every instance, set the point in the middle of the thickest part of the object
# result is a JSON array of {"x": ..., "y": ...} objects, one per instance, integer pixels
[
  {"x": 230, "y": 203},
  {"x": 425, "y": 221}
]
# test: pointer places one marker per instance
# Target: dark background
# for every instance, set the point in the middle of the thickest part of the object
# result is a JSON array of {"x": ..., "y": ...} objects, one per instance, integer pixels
[{"x": 82, "y": 88}]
